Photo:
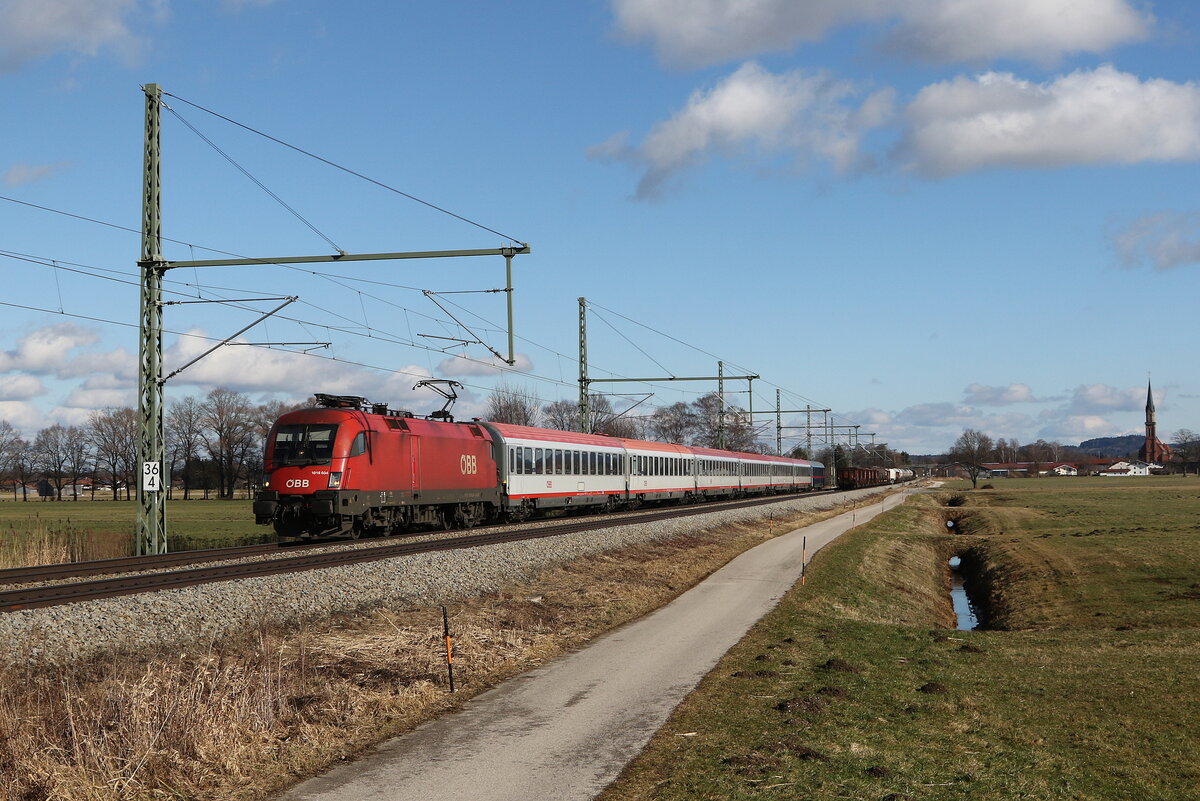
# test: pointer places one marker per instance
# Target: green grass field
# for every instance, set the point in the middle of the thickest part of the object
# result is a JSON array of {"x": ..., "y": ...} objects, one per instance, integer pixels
[
  {"x": 38, "y": 531},
  {"x": 854, "y": 687}
]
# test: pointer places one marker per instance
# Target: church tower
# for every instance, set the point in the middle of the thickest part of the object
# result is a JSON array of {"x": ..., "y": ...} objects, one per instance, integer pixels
[{"x": 1153, "y": 450}]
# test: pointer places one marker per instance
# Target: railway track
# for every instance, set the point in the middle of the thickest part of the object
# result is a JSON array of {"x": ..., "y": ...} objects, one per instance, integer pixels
[{"x": 63, "y": 593}]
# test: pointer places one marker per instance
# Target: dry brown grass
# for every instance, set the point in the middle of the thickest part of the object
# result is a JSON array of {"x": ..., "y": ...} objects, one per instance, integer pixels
[
  {"x": 241, "y": 720},
  {"x": 38, "y": 542}
]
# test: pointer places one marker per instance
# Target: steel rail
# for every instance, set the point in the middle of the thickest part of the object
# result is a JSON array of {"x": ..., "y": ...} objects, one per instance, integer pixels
[
  {"x": 120, "y": 564},
  {"x": 57, "y": 594}
]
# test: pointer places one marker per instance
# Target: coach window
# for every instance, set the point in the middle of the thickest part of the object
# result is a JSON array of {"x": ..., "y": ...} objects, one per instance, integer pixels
[
  {"x": 539, "y": 466},
  {"x": 558, "y": 461},
  {"x": 512, "y": 460}
]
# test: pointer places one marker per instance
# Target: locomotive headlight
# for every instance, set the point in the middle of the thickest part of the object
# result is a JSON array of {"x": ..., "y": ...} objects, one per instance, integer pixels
[{"x": 335, "y": 480}]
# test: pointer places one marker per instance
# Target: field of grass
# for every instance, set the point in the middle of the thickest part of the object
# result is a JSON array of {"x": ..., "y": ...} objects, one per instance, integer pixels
[
  {"x": 854, "y": 687},
  {"x": 239, "y": 720},
  {"x": 39, "y": 531}
]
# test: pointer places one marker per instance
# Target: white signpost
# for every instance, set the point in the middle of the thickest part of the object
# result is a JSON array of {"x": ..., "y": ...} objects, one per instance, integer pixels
[{"x": 151, "y": 476}]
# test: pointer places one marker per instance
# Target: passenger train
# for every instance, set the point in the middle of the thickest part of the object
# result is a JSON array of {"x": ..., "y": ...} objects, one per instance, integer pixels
[{"x": 350, "y": 468}]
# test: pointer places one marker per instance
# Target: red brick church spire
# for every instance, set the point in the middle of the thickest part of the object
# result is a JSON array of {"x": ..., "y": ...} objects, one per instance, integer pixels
[{"x": 1153, "y": 449}]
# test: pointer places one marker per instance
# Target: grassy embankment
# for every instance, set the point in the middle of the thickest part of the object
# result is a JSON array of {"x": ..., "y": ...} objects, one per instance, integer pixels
[
  {"x": 237, "y": 720},
  {"x": 40, "y": 532},
  {"x": 1084, "y": 689}
]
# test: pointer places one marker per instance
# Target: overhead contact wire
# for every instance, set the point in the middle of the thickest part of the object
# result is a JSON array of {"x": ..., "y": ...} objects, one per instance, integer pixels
[{"x": 347, "y": 170}]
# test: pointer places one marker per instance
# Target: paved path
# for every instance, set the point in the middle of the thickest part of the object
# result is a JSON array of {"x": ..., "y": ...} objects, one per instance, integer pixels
[{"x": 565, "y": 730}]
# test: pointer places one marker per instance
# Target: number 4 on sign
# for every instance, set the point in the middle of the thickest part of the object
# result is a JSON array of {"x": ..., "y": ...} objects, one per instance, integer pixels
[{"x": 151, "y": 476}]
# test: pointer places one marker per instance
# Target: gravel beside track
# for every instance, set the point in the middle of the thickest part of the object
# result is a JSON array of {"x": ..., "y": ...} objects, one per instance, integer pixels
[{"x": 209, "y": 613}]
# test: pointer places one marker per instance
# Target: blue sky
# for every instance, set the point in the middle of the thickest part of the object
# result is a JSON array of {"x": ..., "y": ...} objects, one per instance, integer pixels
[{"x": 925, "y": 215}]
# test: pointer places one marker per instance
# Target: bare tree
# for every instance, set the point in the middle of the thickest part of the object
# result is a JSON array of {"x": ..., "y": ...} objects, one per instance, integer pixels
[
  {"x": 8, "y": 447},
  {"x": 677, "y": 423},
  {"x": 20, "y": 467},
  {"x": 562, "y": 415},
  {"x": 185, "y": 436},
  {"x": 1186, "y": 446},
  {"x": 60, "y": 454},
  {"x": 228, "y": 419},
  {"x": 739, "y": 436},
  {"x": 971, "y": 450},
  {"x": 79, "y": 457},
  {"x": 513, "y": 404},
  {"x": 112, "y": 434}
]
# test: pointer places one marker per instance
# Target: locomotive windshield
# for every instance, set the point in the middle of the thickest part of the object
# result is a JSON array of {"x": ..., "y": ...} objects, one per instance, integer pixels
[{"x": 303, "y": 444}]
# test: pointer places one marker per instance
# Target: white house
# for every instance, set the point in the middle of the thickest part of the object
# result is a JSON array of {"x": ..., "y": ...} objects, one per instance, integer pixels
[
  {"x": 1130, "y": 468},
  {"x": 1059, "y": 469}
]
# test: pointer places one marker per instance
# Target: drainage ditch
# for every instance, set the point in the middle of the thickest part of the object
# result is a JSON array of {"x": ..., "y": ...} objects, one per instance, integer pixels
[{"x": 966, "y": 615}]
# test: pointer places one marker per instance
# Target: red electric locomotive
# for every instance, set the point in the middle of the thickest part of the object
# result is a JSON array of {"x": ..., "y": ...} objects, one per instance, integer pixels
[{"x": 344, "y": 470}]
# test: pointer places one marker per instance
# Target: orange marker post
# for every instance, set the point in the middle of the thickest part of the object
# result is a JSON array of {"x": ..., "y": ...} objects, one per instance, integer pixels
[{"x": 449, "y": 647}]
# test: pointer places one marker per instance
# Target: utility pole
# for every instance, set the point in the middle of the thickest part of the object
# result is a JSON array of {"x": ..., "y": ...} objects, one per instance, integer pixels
[
  {"x": 151, "y": 514},
  {"x": 584, "y": 384},
  {"x": 778, "y": 426},
  {"x": 721, "y": 405},
  {"x": 151, "y": 531}
]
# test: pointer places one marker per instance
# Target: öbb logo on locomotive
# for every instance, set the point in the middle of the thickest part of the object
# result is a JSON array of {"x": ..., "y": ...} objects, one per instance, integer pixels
[{"x": 348, "y": 467}]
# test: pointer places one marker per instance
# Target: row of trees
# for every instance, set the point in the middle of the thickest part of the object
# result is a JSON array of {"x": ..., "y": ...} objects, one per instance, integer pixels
[
  {"x": 696, "y": 423},
  {"x": 213, "y": 443},
  {"x": 973, "y": 449}
]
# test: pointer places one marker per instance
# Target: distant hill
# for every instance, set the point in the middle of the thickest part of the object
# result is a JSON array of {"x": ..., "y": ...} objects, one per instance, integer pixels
[{"x": 1114, "y": 447}]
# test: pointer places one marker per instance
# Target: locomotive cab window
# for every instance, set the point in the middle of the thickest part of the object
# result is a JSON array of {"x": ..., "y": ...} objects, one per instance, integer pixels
[
  {"x": 299, "y": 444},
  {"x": 359, "y": 445}
]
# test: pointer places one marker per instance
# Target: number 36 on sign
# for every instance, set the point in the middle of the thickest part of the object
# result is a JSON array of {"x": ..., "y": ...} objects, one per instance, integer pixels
[{"x": 151, "y": 476}]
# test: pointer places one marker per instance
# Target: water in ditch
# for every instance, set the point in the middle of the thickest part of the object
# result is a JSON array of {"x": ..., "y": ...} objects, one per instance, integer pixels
[{"x": 963, "y": 610}]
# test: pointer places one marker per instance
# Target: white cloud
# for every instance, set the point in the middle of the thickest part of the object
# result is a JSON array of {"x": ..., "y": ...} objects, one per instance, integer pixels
[
  {"x": 1100, "y": 116},
  {"x": 32, "y": 29},
  {"x": 1091, "y": 399},
  {"x": 757, "y": 114},
  {"x": 45, "y": 351},
  {"x": 20, "y": 387},
  {"x": 696, "y": 32},
  {"x": 1075, "y": 428},
  {"x": 90, "y": 399},
  {"x": 22, "y": 416},
  {"x": 983, "y": 395},
  {"x": 458, "y": 366},
  {"x": 1035, "y": 30},
  {"x": 20, "y": 174},
  {"x": 1162, "y": 241},
  {"x": 932, "y": 427},
  {"x": 710, "y": 31},
  {"x": 291, "y": 374}
]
